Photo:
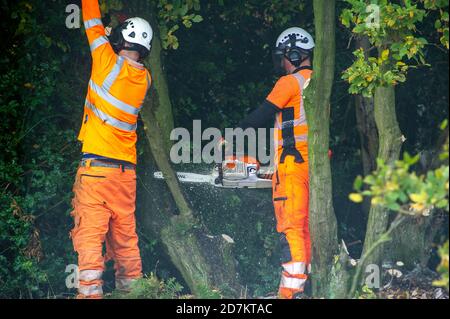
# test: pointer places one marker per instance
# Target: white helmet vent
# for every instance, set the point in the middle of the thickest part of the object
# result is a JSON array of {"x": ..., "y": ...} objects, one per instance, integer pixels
[
  {"x": 138, "y": 31},
  {"x": 303, "y": 39}
]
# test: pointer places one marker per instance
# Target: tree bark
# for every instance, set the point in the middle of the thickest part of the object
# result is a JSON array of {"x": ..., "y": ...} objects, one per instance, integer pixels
[
  {"x": 390, "y": 143},
  {"x": 367, "y": 128},
  {"x": 412, "y": 241},
  {"x": 329, "y": 276},
  {"x": 368, "y": 133}
]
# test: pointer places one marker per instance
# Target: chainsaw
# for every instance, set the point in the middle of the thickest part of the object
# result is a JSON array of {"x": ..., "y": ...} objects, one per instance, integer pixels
[{"x": 235, "y": 172}]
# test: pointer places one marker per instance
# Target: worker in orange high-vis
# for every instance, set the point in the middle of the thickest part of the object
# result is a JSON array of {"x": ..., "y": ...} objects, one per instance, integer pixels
[
  {"x": 105, "y": 185},
  {"x": 292, "y": 58}
]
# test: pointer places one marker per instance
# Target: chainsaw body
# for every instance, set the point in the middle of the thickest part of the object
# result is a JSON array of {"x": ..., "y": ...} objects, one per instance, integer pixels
[{"x": 242, "y": 172}]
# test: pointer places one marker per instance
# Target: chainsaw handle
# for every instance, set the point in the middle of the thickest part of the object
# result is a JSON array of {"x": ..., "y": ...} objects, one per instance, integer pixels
[
  {"x": 219, "y": 179},
  {"x": 223, "y": 146}
]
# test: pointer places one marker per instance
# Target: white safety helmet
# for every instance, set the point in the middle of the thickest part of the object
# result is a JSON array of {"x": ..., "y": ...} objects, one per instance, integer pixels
[
  {"x": 294, "y": 44},
  {"x": 302, "y": 39},
  {"x": 135, "y": 31},
  {"x": 138, "y": 31}
]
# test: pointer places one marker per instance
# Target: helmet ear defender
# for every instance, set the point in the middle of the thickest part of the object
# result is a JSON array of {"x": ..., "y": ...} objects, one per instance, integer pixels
[
  {"x": 119, "y": 43},
  {"x": 294, "y": 54},
  {"x": 294, "y": 44}
]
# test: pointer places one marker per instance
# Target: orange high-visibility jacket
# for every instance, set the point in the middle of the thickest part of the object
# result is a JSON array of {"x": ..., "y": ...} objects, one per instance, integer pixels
[
  {"x": 116, "y": 93},
  {"x": 291, "y": 127}
]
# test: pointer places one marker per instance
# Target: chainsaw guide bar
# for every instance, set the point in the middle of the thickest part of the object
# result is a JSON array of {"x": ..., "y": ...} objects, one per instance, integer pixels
[{"x": 230, "y": 174}]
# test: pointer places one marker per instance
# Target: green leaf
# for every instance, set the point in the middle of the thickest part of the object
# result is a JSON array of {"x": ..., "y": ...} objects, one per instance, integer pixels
[
  {"x": 393, "y": 206},
  {"x": 358, "y": 183},
  {"x": 346, "y": 18},
  {"x": 187, "y": 23},
  {"x": 197, "y": 18},
  {"x": 370, "y": 180},
  {"x": 411, "y": 160},
  {"x": 385, "y": 55},
  {"x": 356, "y": 197}
]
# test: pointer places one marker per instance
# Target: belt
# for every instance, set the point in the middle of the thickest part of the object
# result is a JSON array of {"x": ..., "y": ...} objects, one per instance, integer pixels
[{"x": 97, "y": 163}]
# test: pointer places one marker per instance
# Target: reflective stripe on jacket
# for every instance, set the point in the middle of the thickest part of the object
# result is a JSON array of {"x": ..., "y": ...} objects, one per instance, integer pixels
[
  {"x": 116, "y": 93},
  {"x": 291, "y": 126}
]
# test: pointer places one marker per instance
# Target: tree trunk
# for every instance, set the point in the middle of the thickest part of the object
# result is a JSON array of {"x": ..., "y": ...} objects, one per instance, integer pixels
[
  {"x": 412, "y": 242},
  {"x": 390, "y": 144},
  {"x": 329, "y": 276},
  {"x": 367, "y": 128},
  {"x": 205, "y": 262},
  {"x": 368, "y": 133}
]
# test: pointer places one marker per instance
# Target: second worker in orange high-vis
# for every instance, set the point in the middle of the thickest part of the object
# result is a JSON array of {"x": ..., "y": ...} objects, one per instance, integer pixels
[
  {"x": 105, "y": 185},
  {"x": 292, "y": 57}
]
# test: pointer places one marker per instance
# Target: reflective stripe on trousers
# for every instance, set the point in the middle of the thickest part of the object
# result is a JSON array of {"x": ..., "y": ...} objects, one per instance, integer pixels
[
  {"x": 293, "y": 283},
  {"x": 90, "y": 283},
  {"x": 90, "y": 290},
  {"x": 294, "y": 276},
  {"x": 90, "y": 275},
  {"x": 295, "y": 268}
]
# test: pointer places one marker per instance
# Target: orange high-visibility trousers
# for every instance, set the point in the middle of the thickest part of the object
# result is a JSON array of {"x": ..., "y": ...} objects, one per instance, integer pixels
[
  {"x": 103, "y": 211},
  {"x": 291, "y": 203}
]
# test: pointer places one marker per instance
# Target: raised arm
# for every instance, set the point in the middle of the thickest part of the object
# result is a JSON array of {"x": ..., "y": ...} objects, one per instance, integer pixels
[{"x": 102, "y": 51}]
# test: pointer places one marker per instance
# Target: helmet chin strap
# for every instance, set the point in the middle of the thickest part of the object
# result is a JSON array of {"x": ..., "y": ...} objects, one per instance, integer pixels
[
  {"x": 305, "y": 67},
  {"x": 299, "y": 65}
]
